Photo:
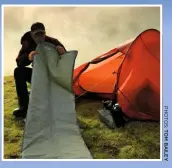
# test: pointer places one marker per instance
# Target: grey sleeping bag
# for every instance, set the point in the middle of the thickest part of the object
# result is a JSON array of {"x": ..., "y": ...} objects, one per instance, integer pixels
[{"x": 51, "y": 130}]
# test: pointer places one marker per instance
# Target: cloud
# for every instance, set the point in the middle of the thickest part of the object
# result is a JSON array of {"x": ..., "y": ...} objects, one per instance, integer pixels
[{"x": 90, "y": 30}]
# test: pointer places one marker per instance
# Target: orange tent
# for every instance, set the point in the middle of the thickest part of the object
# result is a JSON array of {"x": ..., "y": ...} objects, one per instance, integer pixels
[
  {"x": 99, "y": 75},
  {"x": 131, "y": 72}
]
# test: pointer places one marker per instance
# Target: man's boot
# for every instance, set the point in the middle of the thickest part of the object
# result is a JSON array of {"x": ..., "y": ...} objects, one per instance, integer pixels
[{"x": 21, "y": 112}]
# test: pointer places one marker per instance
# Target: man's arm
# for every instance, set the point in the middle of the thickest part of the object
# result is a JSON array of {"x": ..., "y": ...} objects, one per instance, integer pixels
[
  {"x": 60, "y": 44},
  {"x": 55, "y": 42},
  {"x": 22, "y": 60}
]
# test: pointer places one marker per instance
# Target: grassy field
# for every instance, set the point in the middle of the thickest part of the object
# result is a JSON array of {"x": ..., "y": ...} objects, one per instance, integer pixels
[{"x": 138, "y": 140}]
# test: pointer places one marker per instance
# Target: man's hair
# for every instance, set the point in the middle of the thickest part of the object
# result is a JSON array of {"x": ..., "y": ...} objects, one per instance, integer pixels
[{"x": 37, "y": 27}]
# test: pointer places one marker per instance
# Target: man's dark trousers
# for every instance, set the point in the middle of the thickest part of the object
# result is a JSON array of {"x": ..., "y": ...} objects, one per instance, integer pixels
[{"x": 22, "y": 75}]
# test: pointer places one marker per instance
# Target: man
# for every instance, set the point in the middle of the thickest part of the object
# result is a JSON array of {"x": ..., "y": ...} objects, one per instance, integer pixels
[{"x": 22, "y": 74}]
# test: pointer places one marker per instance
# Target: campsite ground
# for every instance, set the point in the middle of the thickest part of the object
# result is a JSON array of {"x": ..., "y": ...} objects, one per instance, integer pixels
[{"x": 138, "y": 140}]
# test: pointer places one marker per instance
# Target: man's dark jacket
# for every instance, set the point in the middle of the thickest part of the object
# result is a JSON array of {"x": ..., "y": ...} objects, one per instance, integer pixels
[{"x": 22, "y": 58}]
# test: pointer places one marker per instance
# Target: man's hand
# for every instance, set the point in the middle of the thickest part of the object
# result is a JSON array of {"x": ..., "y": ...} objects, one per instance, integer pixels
[
  {"x": 32, "y": 54},
  {"x": 60, "y": 49}
]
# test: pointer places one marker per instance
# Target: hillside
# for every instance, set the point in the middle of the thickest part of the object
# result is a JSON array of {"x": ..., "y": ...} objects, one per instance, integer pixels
[{"x": 138, "y": 140}]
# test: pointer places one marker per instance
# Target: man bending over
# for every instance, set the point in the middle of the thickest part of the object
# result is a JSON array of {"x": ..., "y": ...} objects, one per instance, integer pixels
[{"x": 22, "y": 74}]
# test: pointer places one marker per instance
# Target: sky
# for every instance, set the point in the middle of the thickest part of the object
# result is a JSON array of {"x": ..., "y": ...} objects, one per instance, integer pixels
[{"x": 90, "y": 30}]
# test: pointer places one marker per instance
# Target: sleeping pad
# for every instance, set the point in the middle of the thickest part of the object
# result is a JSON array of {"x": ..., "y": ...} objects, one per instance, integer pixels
[{"x": 51, "y": 130}]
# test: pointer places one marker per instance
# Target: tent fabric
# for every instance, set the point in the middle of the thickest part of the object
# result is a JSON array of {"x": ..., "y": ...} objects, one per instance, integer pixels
[
  {"x": 51, "y": 130},
  {"x": 137, "y": 77},
  {"x": 99, "y": 75}
]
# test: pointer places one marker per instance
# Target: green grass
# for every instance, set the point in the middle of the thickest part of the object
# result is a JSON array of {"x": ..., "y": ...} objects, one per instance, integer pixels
[{"x": 138, "y": 140}]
